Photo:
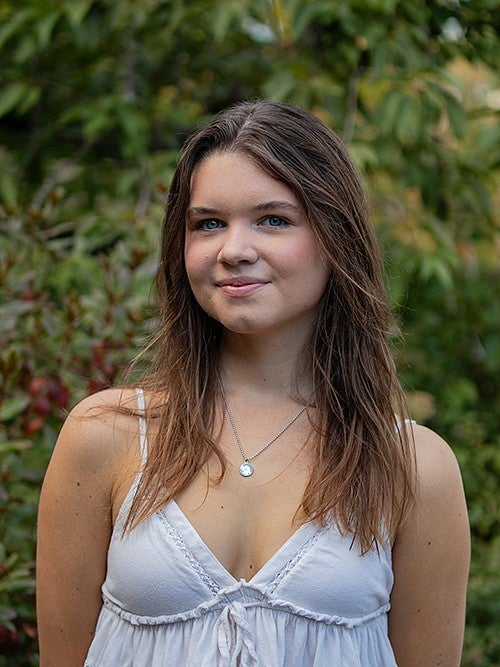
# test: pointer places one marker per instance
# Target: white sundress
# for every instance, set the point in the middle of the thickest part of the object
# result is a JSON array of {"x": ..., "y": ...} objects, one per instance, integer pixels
[{"x": 168, "y": 601}]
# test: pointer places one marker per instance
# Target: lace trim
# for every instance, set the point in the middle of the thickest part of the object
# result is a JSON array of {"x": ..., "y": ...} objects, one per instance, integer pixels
[
  {"x": 211, "y": 584},
  {"x": 290, "y": 564}
]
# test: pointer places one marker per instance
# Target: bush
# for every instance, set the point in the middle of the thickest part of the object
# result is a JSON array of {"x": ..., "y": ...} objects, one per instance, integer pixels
[{"x": 74, "y": 295}]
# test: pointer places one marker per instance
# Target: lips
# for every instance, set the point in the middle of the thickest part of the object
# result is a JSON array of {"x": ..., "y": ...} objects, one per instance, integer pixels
[
  {"x": 238, "y": 286},
  {"x": 240, "y": 281}
]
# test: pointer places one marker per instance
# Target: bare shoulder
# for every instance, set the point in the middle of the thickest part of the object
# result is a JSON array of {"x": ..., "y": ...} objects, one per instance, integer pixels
[
  {"x": 96, "y": 453},
  {"x": 105, "y": 403},
  {"x": 99, "y": 431},
  {"x": 438, "y": 471},
  {"x": 439, "y": 495}
]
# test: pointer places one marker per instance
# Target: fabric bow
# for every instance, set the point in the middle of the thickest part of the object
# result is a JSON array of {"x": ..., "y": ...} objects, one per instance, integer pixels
[{"x": 234, "y": 637}]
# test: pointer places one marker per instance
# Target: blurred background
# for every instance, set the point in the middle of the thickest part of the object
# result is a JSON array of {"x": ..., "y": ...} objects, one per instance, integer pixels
[{"x": 96, "y": 98}]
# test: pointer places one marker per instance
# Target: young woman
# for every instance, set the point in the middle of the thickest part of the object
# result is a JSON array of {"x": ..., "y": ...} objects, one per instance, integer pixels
[{"x": 257, "y": 500}]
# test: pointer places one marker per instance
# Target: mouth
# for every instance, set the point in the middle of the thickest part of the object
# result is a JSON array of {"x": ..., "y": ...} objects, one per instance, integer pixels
[
  {"x": 240, "y": 281},
  {"x": 240, "y": 285}
]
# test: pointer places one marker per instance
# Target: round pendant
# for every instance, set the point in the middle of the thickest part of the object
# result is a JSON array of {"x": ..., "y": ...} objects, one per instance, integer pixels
[{"x": 246, "y": 469}]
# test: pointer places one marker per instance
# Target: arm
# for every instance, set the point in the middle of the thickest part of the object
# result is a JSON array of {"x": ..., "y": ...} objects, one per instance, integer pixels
[
  {"x": 74, "y": 529},
  {"x": 431, "y": 563}
]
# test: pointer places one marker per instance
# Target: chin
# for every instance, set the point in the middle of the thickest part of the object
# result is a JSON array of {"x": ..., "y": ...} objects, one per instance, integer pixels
[{"x": 243, "y": 328}]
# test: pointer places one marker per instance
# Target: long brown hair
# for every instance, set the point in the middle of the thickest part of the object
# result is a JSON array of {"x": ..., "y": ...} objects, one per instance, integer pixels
[{"x": 363, "y": 474}]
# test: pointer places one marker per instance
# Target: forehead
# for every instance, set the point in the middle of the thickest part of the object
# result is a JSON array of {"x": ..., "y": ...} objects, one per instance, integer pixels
[{"x": 231, "y": 175}]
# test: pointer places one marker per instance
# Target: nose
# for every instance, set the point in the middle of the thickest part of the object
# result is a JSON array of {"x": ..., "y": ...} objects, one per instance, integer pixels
[{"x": 238, "y": 246}]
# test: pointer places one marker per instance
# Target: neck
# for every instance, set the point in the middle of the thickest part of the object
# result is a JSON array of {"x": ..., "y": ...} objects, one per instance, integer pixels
[{"x": 263, "y": 366}]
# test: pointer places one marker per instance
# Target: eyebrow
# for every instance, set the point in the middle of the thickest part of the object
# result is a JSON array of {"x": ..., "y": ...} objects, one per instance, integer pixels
[
  {"x": 264, "y": 206},
  {"x": 277, "y": 204}
]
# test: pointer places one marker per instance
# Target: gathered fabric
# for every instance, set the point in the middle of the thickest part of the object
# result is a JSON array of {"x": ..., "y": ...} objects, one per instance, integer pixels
[{"x": 168, "y": 600}]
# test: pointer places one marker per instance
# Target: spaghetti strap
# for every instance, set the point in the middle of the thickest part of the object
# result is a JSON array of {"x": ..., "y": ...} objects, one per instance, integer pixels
[
  {"x": 143, "y": 438},
  {"x": 400, "y": 423}
]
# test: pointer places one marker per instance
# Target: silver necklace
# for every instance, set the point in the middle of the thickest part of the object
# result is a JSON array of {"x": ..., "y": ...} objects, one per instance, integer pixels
[{"x": 246, "y": 468}]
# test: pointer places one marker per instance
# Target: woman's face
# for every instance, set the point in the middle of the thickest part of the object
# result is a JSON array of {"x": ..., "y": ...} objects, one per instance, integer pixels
[{"x": 251, "y": 257}]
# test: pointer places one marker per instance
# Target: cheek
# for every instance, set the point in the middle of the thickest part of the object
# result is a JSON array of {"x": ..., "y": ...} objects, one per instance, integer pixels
[
  {"x": 195, "y": 262},
  {"x": 303, "y": 260},
  {"x": 198, "y": 270},
  {"x": 312, "y": 274}
]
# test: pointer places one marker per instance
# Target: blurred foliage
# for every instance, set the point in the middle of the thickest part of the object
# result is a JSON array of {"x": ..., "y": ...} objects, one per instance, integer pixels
[{"x": 96, "y": 98}]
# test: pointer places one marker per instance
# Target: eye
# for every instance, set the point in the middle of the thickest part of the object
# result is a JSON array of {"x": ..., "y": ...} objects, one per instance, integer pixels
[
  {"x": 208, "y": 225},
  {"x": 275, "y": 221}
]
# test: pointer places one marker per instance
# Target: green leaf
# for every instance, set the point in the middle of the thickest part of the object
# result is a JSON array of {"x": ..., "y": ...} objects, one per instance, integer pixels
[
  {"x": 97, "y": 123},
  {"x": 31, "y": 98},
  {"x": 280, "y": 85},
  {"x": 389, "y": 111},
  {"x": 8, "y": 188},
  {"x": 13, "y": 445},
  {"x": 407, "y": 126},
  {"x": 11, "y": 96},
  {"x": 13, "y": 407},
  {"x": 224, "y": 16},
  {"x": 456, "y": 115},
  {"x": 16, "y": 23},
  {"x": 45, "y": 27},
  {"x": 135, "y": 128},
  {"x": 433, "y": 266},
  {"x": 76, "y": 11}
]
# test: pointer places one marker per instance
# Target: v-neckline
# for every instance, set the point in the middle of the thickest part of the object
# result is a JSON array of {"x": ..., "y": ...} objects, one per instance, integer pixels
[{"x": 211, "y": 563}]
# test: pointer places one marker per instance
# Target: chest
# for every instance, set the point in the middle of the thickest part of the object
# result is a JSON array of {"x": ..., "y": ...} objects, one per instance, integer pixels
[
  {"x": 245, "y": 521},
  {"x": 242, "y": 520}
]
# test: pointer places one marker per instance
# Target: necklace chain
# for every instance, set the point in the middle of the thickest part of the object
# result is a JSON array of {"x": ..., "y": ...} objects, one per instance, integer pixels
[{"x": 246, "y": 468}]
